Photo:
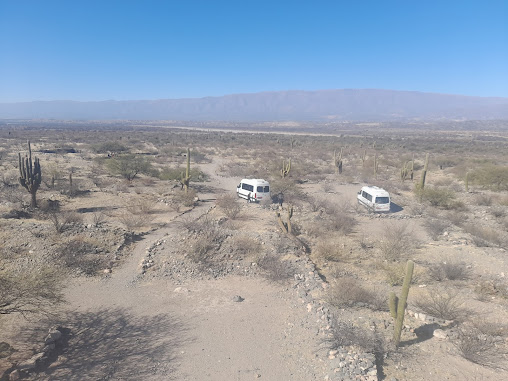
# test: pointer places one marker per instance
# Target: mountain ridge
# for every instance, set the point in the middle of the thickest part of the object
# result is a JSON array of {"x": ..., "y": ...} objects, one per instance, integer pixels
[{"x": 305, "y": 105}]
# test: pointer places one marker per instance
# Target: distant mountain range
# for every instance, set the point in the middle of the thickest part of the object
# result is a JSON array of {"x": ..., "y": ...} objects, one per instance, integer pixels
[{"x": 322, "y": 105}]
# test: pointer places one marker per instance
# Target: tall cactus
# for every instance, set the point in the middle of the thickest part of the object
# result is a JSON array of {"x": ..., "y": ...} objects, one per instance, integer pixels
[
  {"x": 186, "y": 178},
  {"x": 285, "y": 226},
  {"x": 285, "y": 168},
  {"x": 424, "y": 174},
  {"x": 398, "y": 305},
  {"x": 30, "y": 174},
  {"x": 337, "y": 160}
]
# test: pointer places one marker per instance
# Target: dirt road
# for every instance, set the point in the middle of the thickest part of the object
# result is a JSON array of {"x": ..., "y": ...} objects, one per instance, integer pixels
[{"x": 126, "y": 327}]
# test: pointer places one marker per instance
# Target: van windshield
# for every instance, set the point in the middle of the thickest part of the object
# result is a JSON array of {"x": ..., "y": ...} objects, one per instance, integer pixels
[{"x": 382, "y": 200}]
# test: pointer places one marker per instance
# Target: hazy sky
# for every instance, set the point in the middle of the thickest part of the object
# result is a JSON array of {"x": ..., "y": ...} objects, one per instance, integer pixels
[{"x": 147, "y": 49}]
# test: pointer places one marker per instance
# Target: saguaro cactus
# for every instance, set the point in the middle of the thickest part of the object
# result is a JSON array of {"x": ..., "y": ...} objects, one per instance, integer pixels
[
  {"x": 407, "y": 170},
  {"x": 285, "y": 168},
  {"x": 424, "y": 174},
  {"x": 337, "y": 160},
  {"x": 186, "y": 178},
  {"x": 398, "y": 305},
  {"x": 30, "y": 174},
  {"x": 285, "y": 226}
]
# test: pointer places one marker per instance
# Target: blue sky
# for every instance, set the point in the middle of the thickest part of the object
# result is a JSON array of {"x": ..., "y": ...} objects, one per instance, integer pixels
[{"x": 90, "y": 50}]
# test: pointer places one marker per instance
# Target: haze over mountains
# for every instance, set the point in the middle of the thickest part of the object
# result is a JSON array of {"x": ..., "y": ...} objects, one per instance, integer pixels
[{"x": 322, "y": 105}]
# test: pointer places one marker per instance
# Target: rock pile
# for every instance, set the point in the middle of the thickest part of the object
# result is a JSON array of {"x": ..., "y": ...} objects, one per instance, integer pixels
[
  {"x": 343, "y": 364},
  {"x": 50, "y": 343}
]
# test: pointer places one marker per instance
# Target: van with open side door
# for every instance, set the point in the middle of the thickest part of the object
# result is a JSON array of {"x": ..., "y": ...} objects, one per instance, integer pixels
[
  {"x": 375, "y": 199},
  {"x": 254, "y": 190}
]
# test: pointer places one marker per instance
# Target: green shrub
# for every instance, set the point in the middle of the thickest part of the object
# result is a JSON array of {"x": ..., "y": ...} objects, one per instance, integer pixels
[
  {"x": 441, "y": 198},
  {"x": 109, "y": 147},
  {"x": 129, "y": 166},
  {"x": 491, "y": 177}
]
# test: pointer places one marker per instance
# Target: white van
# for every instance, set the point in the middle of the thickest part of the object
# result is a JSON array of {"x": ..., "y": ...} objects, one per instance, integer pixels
[
  {"x": 254, "y": 190},
  {"x": 375, "y": 199}
]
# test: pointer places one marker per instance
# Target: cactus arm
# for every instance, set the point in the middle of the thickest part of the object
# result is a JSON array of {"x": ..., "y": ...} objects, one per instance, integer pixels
[{"x": 401, "y": 305}]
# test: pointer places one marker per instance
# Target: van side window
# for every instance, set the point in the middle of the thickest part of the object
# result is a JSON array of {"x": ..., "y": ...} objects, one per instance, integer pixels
[
  {"x": 367, "y": 196},
  {"x": 248, "y": 187}
]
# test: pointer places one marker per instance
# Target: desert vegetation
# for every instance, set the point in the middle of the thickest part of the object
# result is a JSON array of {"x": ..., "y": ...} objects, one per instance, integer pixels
[{"x": 102, "y": 187}]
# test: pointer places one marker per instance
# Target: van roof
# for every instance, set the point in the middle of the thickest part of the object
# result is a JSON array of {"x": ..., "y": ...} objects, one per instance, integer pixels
[
  {"x": 254, "y": 180},
  {"x": 375, "y": 191}
]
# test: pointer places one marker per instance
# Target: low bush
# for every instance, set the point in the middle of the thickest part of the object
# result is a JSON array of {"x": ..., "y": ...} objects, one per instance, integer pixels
[
  {"x": 395, "y": 273},
  {"x": 83, "y": 255},
  {"x": 332, "y": 250},
  {"x": 344, "y": 334},
  {"x": 450, "y": 270},
  {"x": 229, "y": 205},
  {"x": 436, "y": 227},
  {"x": 491, "y": 177},
  {"x": 275, "y": 269},
  {"x": 398, "y": 242},
  {"x": 246, "y": 245},
  {"x": 349, "y": 292},
  {"x": 480, "y": 344},
  {"x": 441, "y": 198},
  {"x": 447, "y": 305},
  {"x": 484, "y": 236}
]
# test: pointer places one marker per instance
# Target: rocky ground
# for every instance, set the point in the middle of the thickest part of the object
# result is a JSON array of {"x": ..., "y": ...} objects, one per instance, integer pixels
[{"x": 200, "y": 296}]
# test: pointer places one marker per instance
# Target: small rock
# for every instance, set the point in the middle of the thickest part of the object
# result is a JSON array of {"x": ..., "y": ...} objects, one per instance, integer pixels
[
  {"x": 440, "y": 334},
  {"x": 238, "y": 299},
  {"x": 14, "y": 376},
  {"x": 107, "y": 271},
  {"x": 53, "y": 335},
  {"x": 181, "y": 290}
]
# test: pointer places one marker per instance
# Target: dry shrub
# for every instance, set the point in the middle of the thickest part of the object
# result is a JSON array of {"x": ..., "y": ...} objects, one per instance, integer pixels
[
  {"x": 498, "y": 212},
  {"x": 451, "y": 270},
  {"x": 134, "y": 222},
  {"x": 229, "y": 205},
  {"x": 30, "y": 290},
  {"x": 208, "y": 238},
  {"x": 345, "y": 334},
  {"x": 457, "y": 218},
  {"x": 83, "y": 255},
  {"x": 483, "y": 199},
  {"x": 182, "y": 198},
  {"x": 446, "y": 305},
  {"x": 484, "y": 236},
  {"x": 276, "y": 269},
  {"x": 436, "y": 227},
  {"x": 398, "y": 242},
  {"x": 317, "y": 203},
  {"x": 395, "y": 273},
  {"x": 246, "y": 245},
  {"x": 442, "y": 198},
  {"x": 332, "y": 251},
  {"x": 349, "y": 292},
  {"x": 141, "y": 207},
  {"x": 63, "y": 220},
  {"x": 483, "y": 343},
  {"x": 98, "y": 218},
  {"x": 490, "y": 288}
]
